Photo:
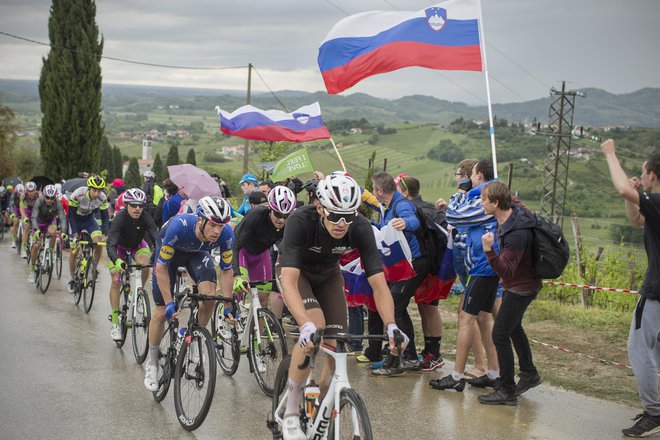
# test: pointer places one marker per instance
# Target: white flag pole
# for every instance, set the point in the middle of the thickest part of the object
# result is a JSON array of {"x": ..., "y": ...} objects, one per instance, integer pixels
[
  {"x": 338, "y": 155},
  {"x": 490, "y": 107}
]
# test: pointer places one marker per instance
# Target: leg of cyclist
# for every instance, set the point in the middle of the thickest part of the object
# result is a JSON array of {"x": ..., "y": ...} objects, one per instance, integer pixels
[
  {"x": 52, "y": 230},
  {"x": 72, "y": 263},
  {"x": 34, "y": 252},
  {"x": 14, "y": 230},
  {"x": 143, "y": 256},
  {"x": 97, "y": 237},
  {"x": 24, "y": 239},
  {"x": 115, "y": 284},
  {"x": 201, "y": 270}
]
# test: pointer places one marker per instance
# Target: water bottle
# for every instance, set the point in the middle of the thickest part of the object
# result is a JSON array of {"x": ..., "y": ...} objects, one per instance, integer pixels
[
  {"x": 179, "y": 338},
  {"x": 312, "y": 393}
]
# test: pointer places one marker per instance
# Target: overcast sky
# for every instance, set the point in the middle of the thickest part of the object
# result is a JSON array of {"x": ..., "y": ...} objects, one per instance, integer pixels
[{"x": 531, "y": 45}]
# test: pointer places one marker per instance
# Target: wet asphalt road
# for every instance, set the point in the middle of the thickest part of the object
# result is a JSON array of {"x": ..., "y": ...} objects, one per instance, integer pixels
[{"x": 61, "y": 377}]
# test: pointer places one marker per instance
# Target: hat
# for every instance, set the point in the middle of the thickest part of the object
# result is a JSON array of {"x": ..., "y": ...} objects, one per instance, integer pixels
[
  {"x": 118, "y": 183},
  {"x": 257, "y": 198},
  {"x": 249, "y": 178},
  {"x": 399, "y": 177}
]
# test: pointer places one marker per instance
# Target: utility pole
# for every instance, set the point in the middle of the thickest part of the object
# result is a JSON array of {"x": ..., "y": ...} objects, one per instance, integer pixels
[
  {"x": 558, "y": 147},
  {"x": 246, "y": 147}
]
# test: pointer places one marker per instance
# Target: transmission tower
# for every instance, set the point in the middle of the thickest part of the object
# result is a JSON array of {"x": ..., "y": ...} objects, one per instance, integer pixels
[{"x": 558, "y": 148}]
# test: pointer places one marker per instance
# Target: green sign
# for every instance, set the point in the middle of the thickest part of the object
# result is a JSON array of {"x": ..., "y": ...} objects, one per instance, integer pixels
[{"x": 295, "y": 163}]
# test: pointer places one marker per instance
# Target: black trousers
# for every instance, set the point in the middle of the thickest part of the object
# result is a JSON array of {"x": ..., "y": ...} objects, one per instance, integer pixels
[{"x": 508, "y": 329}]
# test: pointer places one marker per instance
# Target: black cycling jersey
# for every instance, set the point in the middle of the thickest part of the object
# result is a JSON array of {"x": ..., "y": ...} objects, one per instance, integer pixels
[
  {"x": 43, "y": 213},
  {"x": 308, "y": 246},
  {"x": 127, "y": 232},
  {"x": 255, "y": 233},
  {"x": 4, "y": 201}
]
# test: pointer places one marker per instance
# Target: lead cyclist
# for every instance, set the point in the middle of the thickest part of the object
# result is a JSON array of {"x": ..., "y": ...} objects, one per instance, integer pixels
[{"x": 313, "y": 287}]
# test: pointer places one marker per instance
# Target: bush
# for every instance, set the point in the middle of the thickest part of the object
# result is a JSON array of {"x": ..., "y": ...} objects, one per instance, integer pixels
[{"x": 446, "y": 151}]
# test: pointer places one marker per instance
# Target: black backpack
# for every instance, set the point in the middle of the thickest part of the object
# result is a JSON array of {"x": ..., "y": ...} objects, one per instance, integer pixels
[
  {"x": 549, "y": 249},
  {"x": 431, "y": 237}
]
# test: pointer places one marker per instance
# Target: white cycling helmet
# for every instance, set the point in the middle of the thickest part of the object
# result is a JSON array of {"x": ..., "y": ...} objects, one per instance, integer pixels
[
  {"x": 135, "y": 196},
  {"x": 149, "y": 175},
  {"x": 339, "y": 193},
  {"x": 20, "y": 188},
  {"x": 215, "y": 209},
  {"x": 30, "y": 186},
  {"x": 2, "y": 189},
  {"x": 49, "y": 191},
  {"x": 281, "y": 199}
]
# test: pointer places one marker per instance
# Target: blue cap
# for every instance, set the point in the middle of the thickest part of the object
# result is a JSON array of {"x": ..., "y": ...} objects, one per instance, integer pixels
[{"x": 249, "y": 178}]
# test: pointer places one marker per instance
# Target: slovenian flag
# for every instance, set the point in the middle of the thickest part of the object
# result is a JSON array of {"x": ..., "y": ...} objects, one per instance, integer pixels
[
  {"x": 437, "y": 286},
  {"x": 356, "y": 286},
  {"x": 248, "y": 122},
  {"x": 444, "y": 37},
  {"x": 395, "y": 254}
]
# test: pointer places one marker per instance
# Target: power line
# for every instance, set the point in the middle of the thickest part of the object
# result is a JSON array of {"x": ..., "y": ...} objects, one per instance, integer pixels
[{"x": 270, "y": 90}]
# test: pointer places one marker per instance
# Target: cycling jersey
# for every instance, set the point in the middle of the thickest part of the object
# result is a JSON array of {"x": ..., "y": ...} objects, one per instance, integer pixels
[
  {"x": 14, "y": 202},
  {"x": 308, "y": 246},
  {"x": 28, "y": 200},
  {"x": 255, "y": 234},
  {"x": 82, "y": 208},
  {"x": 127, "y": 232},
  {"x": 4, "y": 202},
  {"x": 43, "y": 213}
]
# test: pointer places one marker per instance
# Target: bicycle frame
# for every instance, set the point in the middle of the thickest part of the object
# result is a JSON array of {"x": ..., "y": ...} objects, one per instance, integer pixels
[{"x": 253, "y": 313}]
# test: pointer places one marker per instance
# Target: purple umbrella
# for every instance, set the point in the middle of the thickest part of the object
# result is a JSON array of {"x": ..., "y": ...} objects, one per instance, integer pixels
[{"x": 194, "y": 182}]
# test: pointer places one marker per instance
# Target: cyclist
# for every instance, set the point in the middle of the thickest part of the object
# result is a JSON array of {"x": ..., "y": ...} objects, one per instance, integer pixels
[
  {"x": 47, "y": 217},
  {"x": 14, "y": 202},
  {"x": 28, "y": 199},
  {"x": 313, "y": 287},
  {"x": 186, "y": 240},
  {"x": 260, "y": 229},
  {"x": 83, "y": 204},
  {"x": 153, "y": 191},
  {"x": 4, "y": 206},
  {"x": 127, "y": 232}
]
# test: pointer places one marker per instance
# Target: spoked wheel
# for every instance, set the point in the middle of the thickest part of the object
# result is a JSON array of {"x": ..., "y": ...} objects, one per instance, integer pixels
[
  {"x": 166, "y": 359},
  {"x": 79, "y": 280},
  {"x": 58, "y": 259},
  {"x": 19, "y": 238},
  {"x": 227, "y": 345},
  {"x": 45, "y": 269},
  {"x": 140, "y": 316},
  {"x": 353, "y": 418},
  {"x": 266, "y": 349},
  {"x": 123, "y": 319},
  {"x": 89, "y": 284},
  {"x": 279, "y": 404},
  {"x": 194, "y": 378},
  {"x": 29, "y": 246}
]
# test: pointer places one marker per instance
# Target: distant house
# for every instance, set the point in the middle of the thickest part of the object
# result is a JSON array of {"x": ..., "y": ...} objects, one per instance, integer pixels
[
  {"x": 233, "y": 150},
  {"x": 355, "y": 130},
  {"x": 177, "y": 134}
]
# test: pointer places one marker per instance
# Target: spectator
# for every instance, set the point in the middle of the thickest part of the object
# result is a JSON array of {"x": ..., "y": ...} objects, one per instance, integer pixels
[
  {"x": 248, "y": 184},
  {"x": 515, "y": 266},
  {"x": 642, "y": 204},
  {"x": 153, "y": 191},
  {"x": 257, "y": 198},
  {"x": 224, "y": 189},
  {"x": 265, "y": 186},
  {"x": 174, "y": 200}
]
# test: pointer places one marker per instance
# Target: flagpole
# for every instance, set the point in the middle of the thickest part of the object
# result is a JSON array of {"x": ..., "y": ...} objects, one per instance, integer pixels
[
  {"x": 338, "y": 155},
  {"x": 490, "y": 106}
]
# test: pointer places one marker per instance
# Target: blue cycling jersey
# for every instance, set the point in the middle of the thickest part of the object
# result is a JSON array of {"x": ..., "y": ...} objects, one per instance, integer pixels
[{"x": 178, "y": 236}]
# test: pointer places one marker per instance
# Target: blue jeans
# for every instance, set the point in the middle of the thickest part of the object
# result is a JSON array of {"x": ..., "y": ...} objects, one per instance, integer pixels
[{"x": 355, "y": 325}]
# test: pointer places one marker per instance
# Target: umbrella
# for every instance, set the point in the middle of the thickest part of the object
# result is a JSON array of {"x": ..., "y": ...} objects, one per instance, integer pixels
[
  {"x": 73, "y": 184},
  {"x": 194, "y": 182},
  {"x": 13, "y": 181},
  {"x": 42, "y": 181}
]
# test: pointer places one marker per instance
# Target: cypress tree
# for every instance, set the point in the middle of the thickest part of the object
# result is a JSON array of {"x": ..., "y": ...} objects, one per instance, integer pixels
[
  {"x": 173, "y": 156},
  {"x": 70, "y": 90},
  {"x": 159, "y": 169},
  {"x": 107, "y": 159},
  {"x": 190, "y": 158},
  {"x": 132, "y": 178},
  {"x": 118, "y": 163}
]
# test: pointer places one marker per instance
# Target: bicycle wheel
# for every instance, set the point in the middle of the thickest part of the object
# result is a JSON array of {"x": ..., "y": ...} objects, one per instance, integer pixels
[
  {"x": 194, "y": 378},
  {"x": 227, "y": 345},
  {"x": 166, "y": 359},
  {"x": 123, "y": 317},
  {"x": 58, "y": 258},
  {"x": 45, "y": 269},
  {"x": 279, "y": 399},
  {"x": 19, "y": 237},
  {"x": 266, "y": 350},
  {"x": 140, "y": 316},
  {"x": 79, "y": 279},
  {"x": 353, "y": 417},
  {"x": 89, "y": 286}
]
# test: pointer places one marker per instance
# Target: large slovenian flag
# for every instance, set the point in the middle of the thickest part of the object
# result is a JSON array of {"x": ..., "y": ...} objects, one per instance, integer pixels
[
  {"x": 394, "y": 253},
  {"x": 356, "y": 285},
  {"x": 248, "y": 122},
  {"x": 444, "y": 37}
]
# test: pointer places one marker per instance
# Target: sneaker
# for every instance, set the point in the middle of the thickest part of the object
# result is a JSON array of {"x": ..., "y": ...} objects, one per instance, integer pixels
[
  {"x": 391, "y": 367},
  {"x": 71, "y": 288},
  {"x": 115, "y": 332},
  {"x": 24, "y": 254},
  {"x": 499, "y": 397},
  {"x": 362, "y": 359},
  {"x": 376, "y": 365},
  {"x": 13, "y": 245},
  {"x": 431, "y": 362},
  {"x": 151, "y": 377},
  {"x": 483, "y": 382},
  {"x": 412, "y": 365},
  {"x": 645, "y": 426},
  {"x": 32, "y": 277},
  {"x": 447, "y": 383},
  {"x": 291, "y": 429},
  {"x": 526, "y": 382}
]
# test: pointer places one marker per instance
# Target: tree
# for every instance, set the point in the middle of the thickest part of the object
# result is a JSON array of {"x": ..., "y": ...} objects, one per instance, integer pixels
[
  {"x": 446, "y": 151},
  {"x": 107, "y": 159},
  {"x": 70, "y": 90},
  {"x": 132, "y": 178},
  {"x": 27, "y": 162},
  {"x": 173, "y": 156},
  {"x": 190, "y": 158},
  {"x": 159, "y": 169},
  {"x": 8, "y": 131},
  {"x": 117, "y": 162}
]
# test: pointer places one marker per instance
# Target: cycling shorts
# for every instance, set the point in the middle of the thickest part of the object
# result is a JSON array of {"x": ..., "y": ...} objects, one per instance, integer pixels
[
  {"x": 199, "y": 265},
  {"x": 480, "y": 294},
  {"x": 43, "y": 227},
  {"x": 140, "y": 249},
  {"x": 16, "y": 211},
  {"x": 88, "y": 223},
  {"x": 259, "y": 266}
]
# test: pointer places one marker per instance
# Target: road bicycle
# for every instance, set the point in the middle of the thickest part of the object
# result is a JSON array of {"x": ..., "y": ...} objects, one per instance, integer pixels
[
  {"x": 262, "y": 339},
  {"x": 341, "y": 413},
  {"x": 43, "y": 268},
  {"x": 59, "y": 254},
  {"x": 187, "y": 357},
  {"x": 134, "y": 310},
  {"x": 86, "y": 270},
  {"x": 19, "y": 237}
]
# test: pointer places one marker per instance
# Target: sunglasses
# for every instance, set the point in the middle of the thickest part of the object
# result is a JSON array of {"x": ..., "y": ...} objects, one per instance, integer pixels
[
  {"x": 49, "y": 198},
  {"x": 136, "y": 205},
  {"x": 336, "y": 217},
  {"x": 219, "y": 221},
  {"x": 280, "y": 215}
]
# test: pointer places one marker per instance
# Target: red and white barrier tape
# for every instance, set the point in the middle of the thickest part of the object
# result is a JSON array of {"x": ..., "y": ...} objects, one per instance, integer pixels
[
  {"x": 593, "y": 358},
  {"x": 586, "y": 286}
]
